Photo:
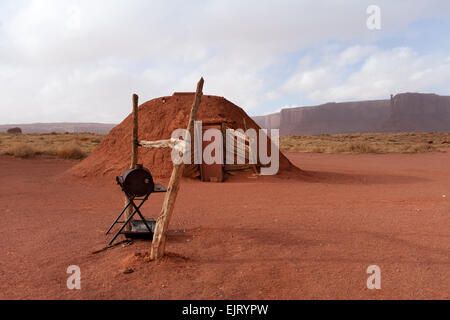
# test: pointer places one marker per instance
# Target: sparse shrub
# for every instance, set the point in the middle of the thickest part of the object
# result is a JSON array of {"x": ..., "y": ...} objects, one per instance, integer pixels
[
  {"x": 417, "y": 148},
  {"x": 362, "y": 147},
  {"x": 364, "y": 143},
  {"x": 355, "y": 147},
  {"x": 21, "y": 150},
  {"x": 317, "y": 150},
  {"x": 70, "y": 151}
]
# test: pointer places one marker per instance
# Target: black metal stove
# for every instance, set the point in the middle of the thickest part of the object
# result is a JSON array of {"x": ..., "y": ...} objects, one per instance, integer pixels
[{"x": 137, "y": 184}]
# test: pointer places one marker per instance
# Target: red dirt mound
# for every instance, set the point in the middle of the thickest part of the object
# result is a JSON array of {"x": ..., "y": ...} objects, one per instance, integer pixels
[{"x": 158, "y": 118}]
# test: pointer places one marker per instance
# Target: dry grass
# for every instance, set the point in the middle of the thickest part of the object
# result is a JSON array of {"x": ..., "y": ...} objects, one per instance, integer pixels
[
  {"x": 21, "y": 150},
  {"x": 70, "y": 151},
  {"x": 62, "y": 145},
  {"x": 79, "y": 145},
  {"x": 366, "y": 143}
]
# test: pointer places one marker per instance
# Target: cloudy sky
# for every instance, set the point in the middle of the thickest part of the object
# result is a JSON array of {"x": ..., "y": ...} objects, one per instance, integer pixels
[{"x": 81, "y": 60}]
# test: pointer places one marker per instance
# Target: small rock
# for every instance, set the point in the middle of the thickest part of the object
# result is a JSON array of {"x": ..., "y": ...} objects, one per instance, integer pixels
[
  {"x": 127, "y": 243},
  {"x": 127, "y": 271}
]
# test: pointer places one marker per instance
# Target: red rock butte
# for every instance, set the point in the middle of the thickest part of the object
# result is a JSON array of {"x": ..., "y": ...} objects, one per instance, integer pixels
[{"x": 405, "y": 112}]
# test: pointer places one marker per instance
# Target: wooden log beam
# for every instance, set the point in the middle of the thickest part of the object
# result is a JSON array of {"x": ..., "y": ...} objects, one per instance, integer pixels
[
  {"x": 237, "y": 167},
  {"x": 134, "y": 153},
  {"x": 162, "y": 224},
  {"x": 177, "y": 144}
]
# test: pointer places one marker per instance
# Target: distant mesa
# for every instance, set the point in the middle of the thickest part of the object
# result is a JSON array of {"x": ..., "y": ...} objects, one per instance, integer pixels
[
  {"x": 61, "y": 127},
  {"x": 405, "y": 112},
  {"x": 15, "y": 130}
]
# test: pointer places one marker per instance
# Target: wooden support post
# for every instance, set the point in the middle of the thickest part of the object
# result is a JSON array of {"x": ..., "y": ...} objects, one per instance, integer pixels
[
  {"x": 255, "y": 170},
  {"x": 134, "y": 153},
  {"x": 134, "y": 139},
  {"x": 162, "y": 224}
]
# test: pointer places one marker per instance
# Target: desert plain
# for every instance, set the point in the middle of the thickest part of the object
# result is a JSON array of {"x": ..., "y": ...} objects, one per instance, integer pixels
[{"x": 309, "y": 237}]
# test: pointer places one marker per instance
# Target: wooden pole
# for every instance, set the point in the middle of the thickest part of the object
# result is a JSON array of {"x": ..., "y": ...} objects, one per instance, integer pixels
[
  {"x": 255, "y": 170},
  {"x": 134, "y": 139},
  {"x": 162, "y": 224},
  {"x": 134, "y": 153}
]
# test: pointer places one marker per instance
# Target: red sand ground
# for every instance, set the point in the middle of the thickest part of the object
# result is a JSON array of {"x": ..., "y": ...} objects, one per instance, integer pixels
[{"x": 280, "y": 239}]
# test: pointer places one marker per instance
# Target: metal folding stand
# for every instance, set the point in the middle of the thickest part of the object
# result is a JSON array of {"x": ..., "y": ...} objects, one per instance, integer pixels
[{"x": 157, "y": 188}]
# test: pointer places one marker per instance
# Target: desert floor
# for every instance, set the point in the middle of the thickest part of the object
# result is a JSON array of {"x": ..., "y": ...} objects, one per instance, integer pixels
[{"x": 264, "y": 238}]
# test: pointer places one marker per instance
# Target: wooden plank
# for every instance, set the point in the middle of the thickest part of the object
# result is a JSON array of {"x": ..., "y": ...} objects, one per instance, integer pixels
[
  {"x": 237, "y": 167},
  {"x": 236, "y": 143},
  {"x": 255, "y": 170},
  {"x": 177, "y": 144},
  {"x": 191, "y": 171},
  {"x": 162, "y": 224},
  {"x": 156, "y": 144},
  {"x": 211, "y": 172}
]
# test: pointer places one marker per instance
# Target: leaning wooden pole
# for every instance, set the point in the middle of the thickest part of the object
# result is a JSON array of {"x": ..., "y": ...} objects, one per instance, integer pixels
[
  {"x": 134, "y": 152},
  {"x": 162, "y": 224}
]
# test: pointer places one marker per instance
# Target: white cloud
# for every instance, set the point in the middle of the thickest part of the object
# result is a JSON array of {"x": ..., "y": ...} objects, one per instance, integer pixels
[
  {"x": 354, "y": 54},
  {"x": 78, "y": 60},
  {"x": 381, "y": 72},
  {"x": 309, "y": 80}
]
